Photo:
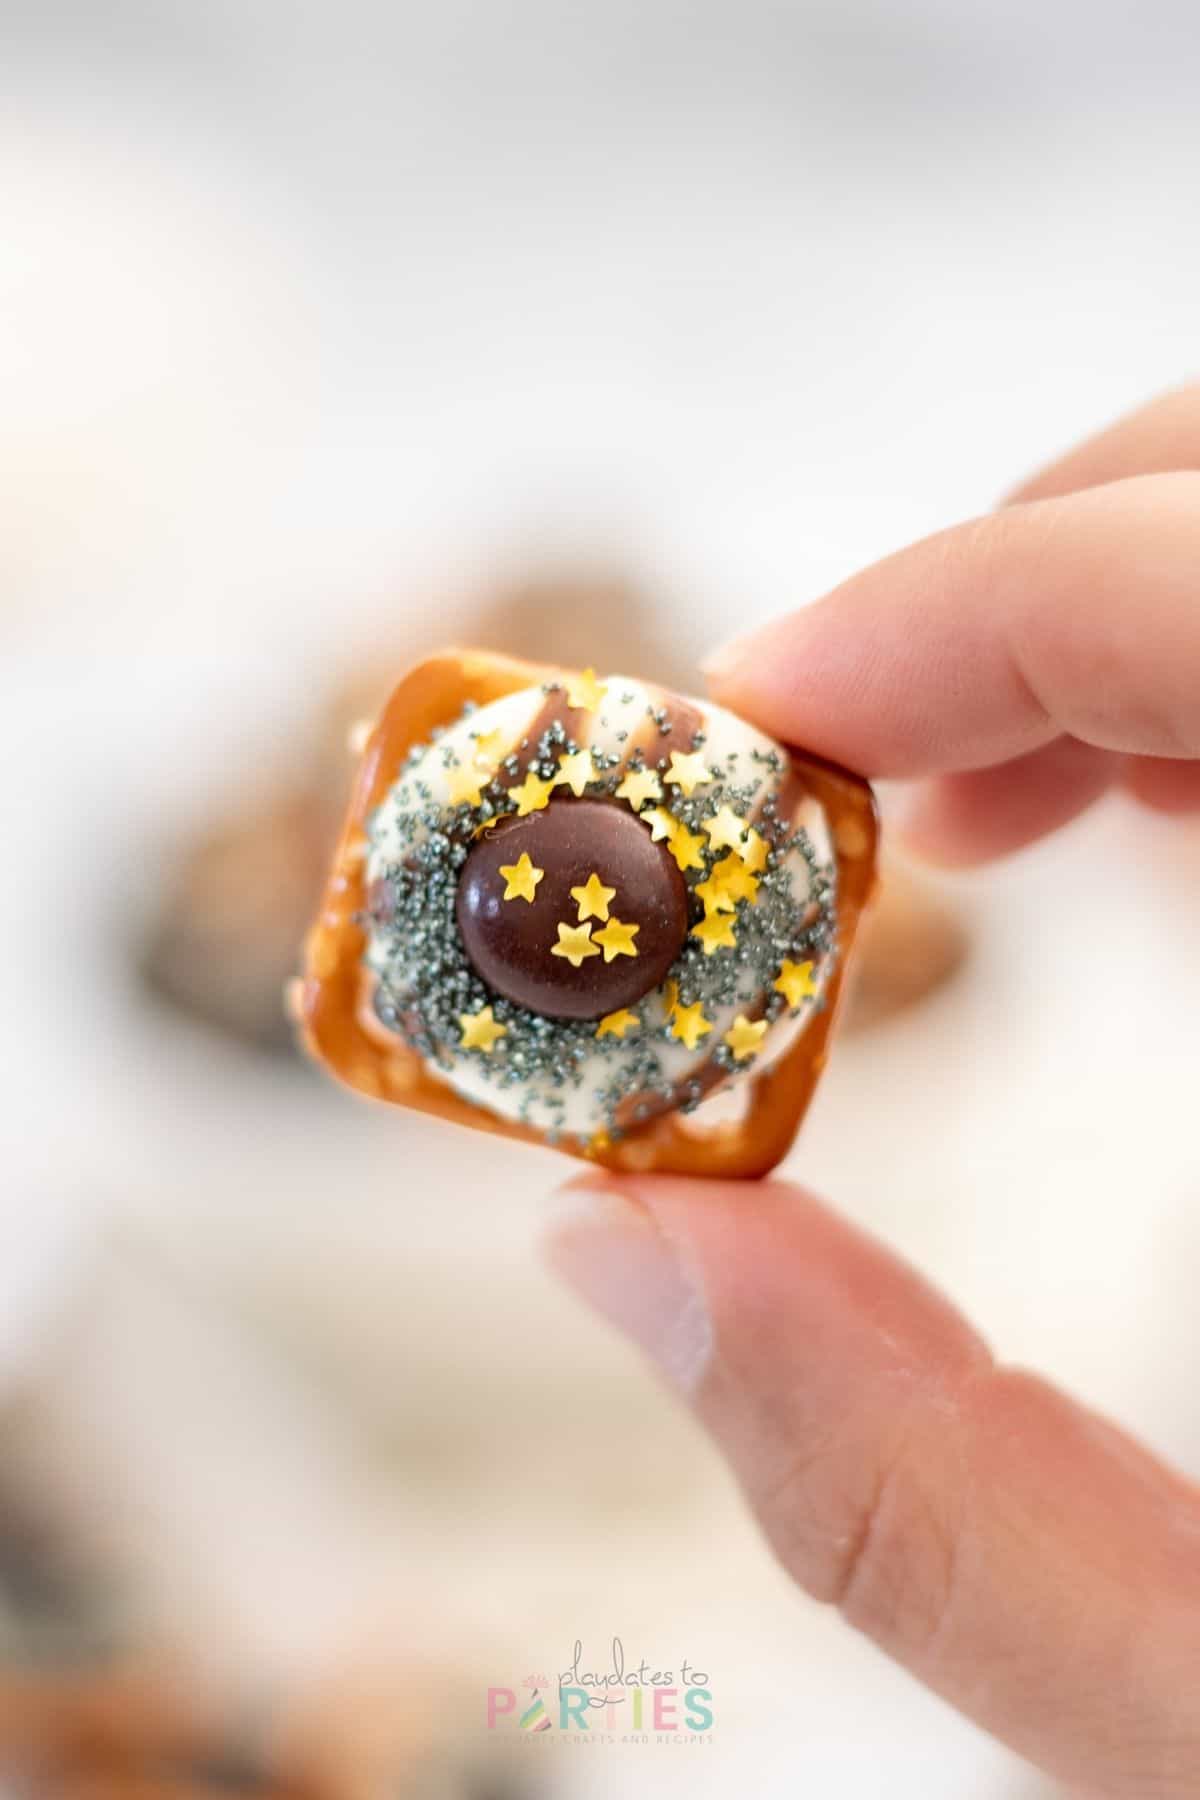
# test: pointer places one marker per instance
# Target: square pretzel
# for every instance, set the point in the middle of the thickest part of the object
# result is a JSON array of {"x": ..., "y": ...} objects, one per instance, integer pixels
[{"x": 333, "y": 1004}]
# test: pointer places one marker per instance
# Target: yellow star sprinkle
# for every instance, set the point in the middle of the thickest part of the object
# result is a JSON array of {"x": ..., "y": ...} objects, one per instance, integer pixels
[
  {"x": 575, "y": 772},
  {"x": 617, "y": 939},
  {"x": 715, "y": 932},
  {"x": 467, "y": 784},
  {"x": 616, "y": 1024},
  {"x": 532, "y": 795},
  {"x": 734, "y": 879},
  {"x": 743, "y": 1038},
  {"x": 670, "y": 996},
  {"x": 754, "y": 852},
  {"x": 795, "y": 982},
  {"x": 639, "y": 786},
  {"x": 689, "y": 1024},
  {"x": 685, "y": 847},
  {"x": 716, "y": 896},
  {"x": 662, "y": 823},
  {"x": 585, "y": 692},
  {"x": 725, "y": 830},
  {"x": 489, "y": 747},
  {"x": 521, "y": 879},
  {"x": 593, "y": 898},
  {"x": 688, "y": 772},
  {"x": 574, "y": 942},
  {"x": 480, "y": 1031}
]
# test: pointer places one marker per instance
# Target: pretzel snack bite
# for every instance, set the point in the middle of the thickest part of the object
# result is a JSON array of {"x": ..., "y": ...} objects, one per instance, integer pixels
[{"x": 587, "y": 912}]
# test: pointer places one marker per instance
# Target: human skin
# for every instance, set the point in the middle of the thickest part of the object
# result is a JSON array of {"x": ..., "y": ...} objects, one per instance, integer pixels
[{"x": 1018, "y": 1554}]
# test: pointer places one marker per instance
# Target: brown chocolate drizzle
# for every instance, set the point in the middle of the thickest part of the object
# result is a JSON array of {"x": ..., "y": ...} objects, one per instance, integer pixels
[{"x": 708, "y": 1074}]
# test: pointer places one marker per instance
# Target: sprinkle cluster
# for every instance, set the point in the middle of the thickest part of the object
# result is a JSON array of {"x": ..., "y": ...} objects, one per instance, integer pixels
[{"x": 753, "y": 944}]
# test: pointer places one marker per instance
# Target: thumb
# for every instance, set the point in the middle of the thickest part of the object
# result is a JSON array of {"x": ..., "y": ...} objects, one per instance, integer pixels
[{"x": 1019, "y": 1556}]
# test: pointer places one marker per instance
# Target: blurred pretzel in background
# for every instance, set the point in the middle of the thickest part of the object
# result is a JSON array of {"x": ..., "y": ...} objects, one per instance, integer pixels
[{"x": 240, "y": 895}]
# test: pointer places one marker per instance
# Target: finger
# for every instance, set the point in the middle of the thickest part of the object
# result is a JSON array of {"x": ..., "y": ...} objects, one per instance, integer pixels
[
  {"x": 1159, "y": 438},
  {"x": 1019, "y": 1556},
  {"x": 1165, "y": 784},
  {"x": 984, "y": 813},
  {"x": 1075, "y": 617}
]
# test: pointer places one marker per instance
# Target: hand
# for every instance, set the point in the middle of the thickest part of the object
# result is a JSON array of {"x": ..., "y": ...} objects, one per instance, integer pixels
[{"x": 1016, "y": 1553}]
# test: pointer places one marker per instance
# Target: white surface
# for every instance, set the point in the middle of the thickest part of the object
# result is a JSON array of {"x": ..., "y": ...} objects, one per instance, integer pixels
[{"x": 302, "y": 306}]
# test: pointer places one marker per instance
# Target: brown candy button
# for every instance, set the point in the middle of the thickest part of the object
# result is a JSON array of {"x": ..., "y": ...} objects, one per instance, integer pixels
[{"x": 511, "y": 943}]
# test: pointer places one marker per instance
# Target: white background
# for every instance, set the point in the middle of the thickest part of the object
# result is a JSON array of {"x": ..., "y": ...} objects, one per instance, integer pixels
[{"x": 310, "y": 313}]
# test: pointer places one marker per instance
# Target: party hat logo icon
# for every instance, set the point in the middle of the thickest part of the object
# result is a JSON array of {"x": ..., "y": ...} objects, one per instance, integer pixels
[{"x": 535, "y": 1717}]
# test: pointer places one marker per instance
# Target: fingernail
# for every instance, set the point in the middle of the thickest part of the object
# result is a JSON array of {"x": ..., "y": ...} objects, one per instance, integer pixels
[
  {"x": 754, "y": 650},
  {"x": 911, "y": 812},
  {"x": 918, "y": 821},
  {"x": 721, "y": 662},
  {"x": 610, "y": 1250}
]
